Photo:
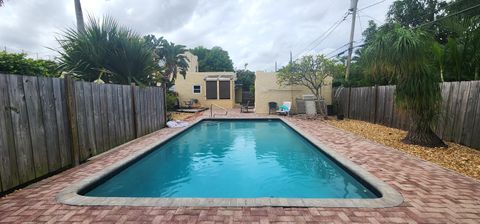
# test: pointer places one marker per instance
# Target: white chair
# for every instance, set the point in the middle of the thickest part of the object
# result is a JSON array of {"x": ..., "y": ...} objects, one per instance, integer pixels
[{"x": 285, "y": 108}]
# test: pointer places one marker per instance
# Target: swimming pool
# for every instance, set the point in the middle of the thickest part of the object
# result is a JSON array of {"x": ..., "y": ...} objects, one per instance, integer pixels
[{"x": 232, "y": 159}]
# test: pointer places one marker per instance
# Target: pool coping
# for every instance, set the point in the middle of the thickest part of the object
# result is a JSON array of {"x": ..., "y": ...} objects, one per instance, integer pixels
[{"x": 390, "y": 197}]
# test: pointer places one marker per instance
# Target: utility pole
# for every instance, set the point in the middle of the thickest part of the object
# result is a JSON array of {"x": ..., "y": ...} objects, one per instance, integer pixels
[
  {"x": 79, "y": 15},
  {"x": 291, "y": 59},
  {"x": 275, "y": 66},
  {"x": 353, "y": 9}
]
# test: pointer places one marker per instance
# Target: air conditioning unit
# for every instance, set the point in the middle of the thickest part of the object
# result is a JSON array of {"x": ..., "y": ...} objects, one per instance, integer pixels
[
  {"x": 310, "y": 105},
  {"x": 309, "y": 97}
]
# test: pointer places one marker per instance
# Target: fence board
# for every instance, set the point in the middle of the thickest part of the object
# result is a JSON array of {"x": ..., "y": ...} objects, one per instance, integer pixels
[
  {"x": 50, "y": 123},
  {"x": 469, "y": 120},
  {"x": 105, "y": 118},
  {"x": 87, "y": 89},
  {"x": 461, "y": 109},
  {"x": 81, "y": 121},
  {"x": 8, "y": 161},
  {"x": 59, "y": 94},
  {"x": 35, "y": 121},
  {"x": 21, "y": 130},
  {"x": 111, "y": 119},
  {"x": 440, "y": 127},
  {"x": 97, "y": 119}
]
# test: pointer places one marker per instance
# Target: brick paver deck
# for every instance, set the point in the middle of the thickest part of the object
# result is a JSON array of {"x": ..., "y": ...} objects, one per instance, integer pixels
[{"x": 432, "y": 194}]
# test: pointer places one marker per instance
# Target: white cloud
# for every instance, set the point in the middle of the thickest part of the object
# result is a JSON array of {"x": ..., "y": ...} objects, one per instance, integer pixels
[{"x": 254, "y": 32}]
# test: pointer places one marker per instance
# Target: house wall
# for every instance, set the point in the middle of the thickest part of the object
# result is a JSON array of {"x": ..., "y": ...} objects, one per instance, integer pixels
[
  {"x": 268, "y": 90},
  {"x": 184, "y": 88}
]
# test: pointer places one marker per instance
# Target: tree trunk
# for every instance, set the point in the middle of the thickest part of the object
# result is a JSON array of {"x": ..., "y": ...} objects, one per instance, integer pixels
[
  {"x": 79, "y": 15},
  {"x": 422, "y": 134}
]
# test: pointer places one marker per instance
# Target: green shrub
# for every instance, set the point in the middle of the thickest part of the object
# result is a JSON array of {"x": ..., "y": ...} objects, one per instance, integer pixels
[
  {"x": 107, "y": 51},
  {"x": 172, "y": 101},
  {"x": 14, "y": 63}
]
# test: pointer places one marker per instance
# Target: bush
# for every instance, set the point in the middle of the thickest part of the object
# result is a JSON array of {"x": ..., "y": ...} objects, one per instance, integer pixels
[
  {"x": 13, "y": 63},
  {"x": 172, "y": 101},
  {"x": 107, "y": 51}
]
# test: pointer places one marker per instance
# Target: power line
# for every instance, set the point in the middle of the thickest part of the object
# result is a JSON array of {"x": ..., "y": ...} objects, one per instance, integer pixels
[
  {"x": 326, "y": 36},
  {"x": 448, "y": 16},
  {"x": 360, "y": 23},
  {"x": 374, "y": 4},
  {"x": 327, "y": 32}
]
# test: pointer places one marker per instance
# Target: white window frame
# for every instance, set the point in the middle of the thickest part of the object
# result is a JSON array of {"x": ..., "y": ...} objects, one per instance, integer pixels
[{"x": 193, "y": 89}]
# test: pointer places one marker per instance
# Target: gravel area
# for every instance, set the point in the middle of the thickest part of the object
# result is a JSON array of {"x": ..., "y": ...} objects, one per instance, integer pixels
[{"x": 460, "y": 158}]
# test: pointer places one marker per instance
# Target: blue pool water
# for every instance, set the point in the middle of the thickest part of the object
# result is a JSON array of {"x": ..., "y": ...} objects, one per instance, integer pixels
[{"x": 234, "y": 159}]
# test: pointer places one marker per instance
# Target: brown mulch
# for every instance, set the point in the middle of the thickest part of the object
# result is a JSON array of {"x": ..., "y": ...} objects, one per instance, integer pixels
[
  {"x": 180, "y": 116},
  {"x": 456, "y": 157}
]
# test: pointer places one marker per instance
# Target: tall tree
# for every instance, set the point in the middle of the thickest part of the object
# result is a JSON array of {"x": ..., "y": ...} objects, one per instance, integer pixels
[
  {"x": 107, "y": 51},
  {"x": 169, "y": 57},
  {"x": 213, "y": 60},
  {"x": 79, "y": 15},
  {"x": 405, "y": 54},
  {"x": 246, "y": 78},
  {"x": 174, "y": 61},
  {"x": 411, "y": 13},
  {"x": 309, "y": 71}
]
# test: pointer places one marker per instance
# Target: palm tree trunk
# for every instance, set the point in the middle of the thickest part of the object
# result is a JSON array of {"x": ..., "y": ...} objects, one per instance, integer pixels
[
  {"x": 79, "y": 15},
  {"x": 420, "y": 133}
]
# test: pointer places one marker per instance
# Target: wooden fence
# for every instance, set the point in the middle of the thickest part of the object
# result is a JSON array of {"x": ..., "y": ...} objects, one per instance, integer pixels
[
  {"x": 49, "y": 124},
  {"x": 459, "y": 121}
]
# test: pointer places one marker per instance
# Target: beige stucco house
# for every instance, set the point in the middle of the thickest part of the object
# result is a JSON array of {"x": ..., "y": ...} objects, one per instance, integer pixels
[
  {"x": 208, "y": 88},
  {"x": 268, "y": 90}
]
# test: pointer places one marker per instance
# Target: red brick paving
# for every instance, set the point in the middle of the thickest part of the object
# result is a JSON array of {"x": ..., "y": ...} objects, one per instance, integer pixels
[{"x": 432, "y": 194}]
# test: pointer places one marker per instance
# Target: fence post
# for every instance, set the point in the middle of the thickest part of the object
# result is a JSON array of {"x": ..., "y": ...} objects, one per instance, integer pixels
[
  {"x": 72, "y": 119},
  {"x": 348, "y": 101},
  {"x": 164, "y": 90},
  {"x": 375, "y": 104},
  {"x": 134, "y": 110}
]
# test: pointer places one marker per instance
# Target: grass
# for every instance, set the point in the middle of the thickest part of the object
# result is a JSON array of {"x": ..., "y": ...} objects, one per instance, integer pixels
[{"x": 456, "y": 157}]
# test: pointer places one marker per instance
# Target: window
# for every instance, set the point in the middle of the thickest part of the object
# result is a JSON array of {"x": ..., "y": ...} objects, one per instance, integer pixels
[
  {"x": 224, "y": 89},
  {"x": 197, "y": 89},
  {"x": 211, "y": 89}
]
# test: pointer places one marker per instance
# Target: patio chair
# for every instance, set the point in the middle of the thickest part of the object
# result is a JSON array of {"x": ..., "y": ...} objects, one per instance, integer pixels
[
  {"x": 272, "y": 107},
  {"x": 285, "y": 108},
  {"x": 245, "y": 107}
]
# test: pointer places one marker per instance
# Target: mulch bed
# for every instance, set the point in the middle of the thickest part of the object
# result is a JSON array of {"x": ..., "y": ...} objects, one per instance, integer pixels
[{"x": 456, "y": 157}]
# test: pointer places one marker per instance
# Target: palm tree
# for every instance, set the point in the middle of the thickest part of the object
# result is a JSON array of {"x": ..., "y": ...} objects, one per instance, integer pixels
[
  {"x": 174, "y": 61},
  {"x": 405, "y": 54},
  {"x": 108, "y": 52},
  {"x": 79, "y": 15}
]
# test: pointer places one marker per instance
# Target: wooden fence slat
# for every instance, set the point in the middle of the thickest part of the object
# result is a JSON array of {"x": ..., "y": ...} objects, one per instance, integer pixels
[
  {"x": 81, "y": 121},
  {"x": 110, "y": 117},
  {"x": 461, "y": 110},
  {"x": 116, "y": 114},
  {"x": 469, "y": 119},
  {"x": 440, "y": 126},
  {"x": 97, "y": 119},
  {"x": 35, "y": 120},
  {"x": 474, "y": 139},
  {"x": 63, "y": 127},
  {"x": 21, "y": 130},
  {"x": 89, "y": 119},
  {"x": 50, "y": 123},
  {"x": 127, "y": 102},
  {"x": 105, "y": 118},
  {"x": 8, "y": 156},
  {"x": 121, "y": 113},
  {"x": 448, "y": 134}
]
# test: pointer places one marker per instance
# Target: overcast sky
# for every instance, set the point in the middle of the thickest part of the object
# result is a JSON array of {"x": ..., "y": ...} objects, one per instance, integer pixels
[{"x": 257, "y": 32}]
